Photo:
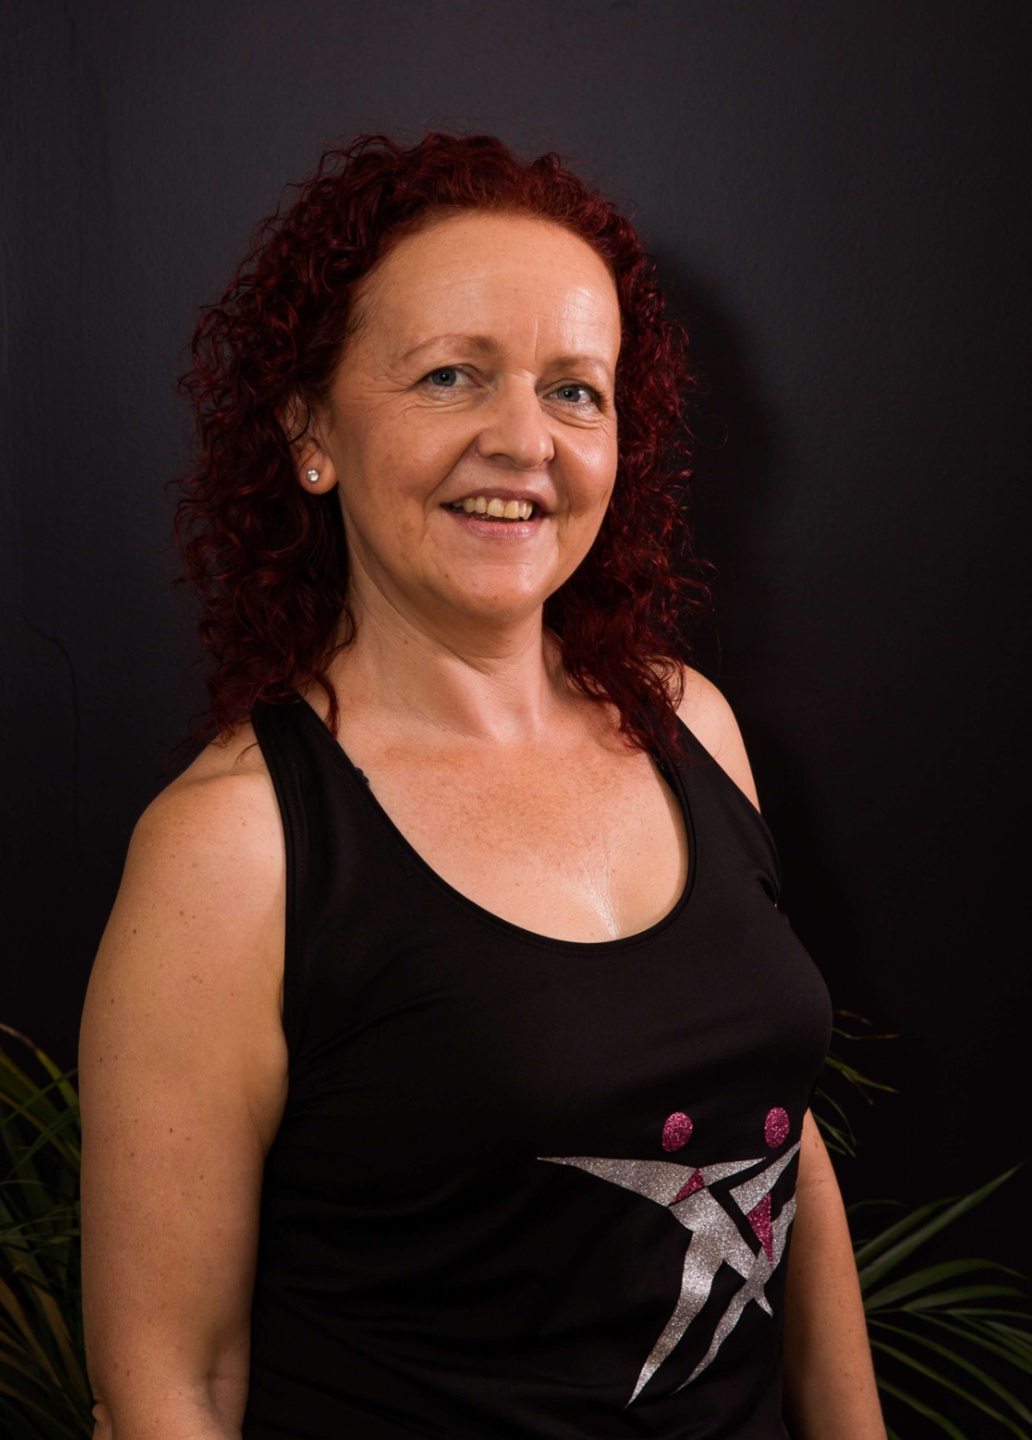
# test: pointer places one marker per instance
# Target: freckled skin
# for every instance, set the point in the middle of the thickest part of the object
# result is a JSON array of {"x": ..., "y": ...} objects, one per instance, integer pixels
[
  {"x": 485, "y": 358},
  {"x": 518, "y": 308}
]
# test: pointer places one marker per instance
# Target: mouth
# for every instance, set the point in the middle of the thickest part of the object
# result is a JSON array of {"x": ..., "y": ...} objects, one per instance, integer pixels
[{"x": 496, "y": 510}]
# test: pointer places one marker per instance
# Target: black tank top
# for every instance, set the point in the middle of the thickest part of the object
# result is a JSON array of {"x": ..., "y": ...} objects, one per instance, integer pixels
[{"x": 526, "y": 1187}]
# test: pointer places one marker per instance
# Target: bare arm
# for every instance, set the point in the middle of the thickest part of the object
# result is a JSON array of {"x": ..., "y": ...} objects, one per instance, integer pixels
[
  {"x": 829, "y": 1378},
  {"x": 183, "y": 1077},
  {"x": 830, "y": 1390}
]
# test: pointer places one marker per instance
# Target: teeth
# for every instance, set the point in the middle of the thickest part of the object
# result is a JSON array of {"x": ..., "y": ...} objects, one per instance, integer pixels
[{"x": 497, "y": 509}]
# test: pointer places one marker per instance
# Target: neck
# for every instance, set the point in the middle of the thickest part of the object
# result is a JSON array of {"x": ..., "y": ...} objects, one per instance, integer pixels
[{"x": 502, "y": 683}]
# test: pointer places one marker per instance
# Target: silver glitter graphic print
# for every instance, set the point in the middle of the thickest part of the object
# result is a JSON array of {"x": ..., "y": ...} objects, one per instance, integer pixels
[{"x": 716, "y": 1239}]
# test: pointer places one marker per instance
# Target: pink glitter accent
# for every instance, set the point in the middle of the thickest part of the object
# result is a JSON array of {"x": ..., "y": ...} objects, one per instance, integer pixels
[
  {"x": 776, "y": 1128},
  {"x": 696, "y": 1182},
  {"x": 759, "y": 1219},
  {"x": 677, "y": 1130}
]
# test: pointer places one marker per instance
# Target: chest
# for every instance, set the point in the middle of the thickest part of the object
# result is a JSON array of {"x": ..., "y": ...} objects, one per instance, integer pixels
[
  {"x": 439, "y": 1042},
  {"x": 586, "y": 845}
]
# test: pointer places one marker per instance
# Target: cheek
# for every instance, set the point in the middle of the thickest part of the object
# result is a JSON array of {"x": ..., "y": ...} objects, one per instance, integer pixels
[
  {"x": 596, "y": 471},
  {"x": 410, "y": 464}
]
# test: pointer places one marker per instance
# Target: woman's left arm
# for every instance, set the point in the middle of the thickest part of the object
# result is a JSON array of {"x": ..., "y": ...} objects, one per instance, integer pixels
[{"x": 830, "y": 1392}]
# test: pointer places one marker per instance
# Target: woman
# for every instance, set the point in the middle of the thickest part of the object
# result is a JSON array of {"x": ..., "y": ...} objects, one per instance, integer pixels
[{"x": 445, "y": 1065}]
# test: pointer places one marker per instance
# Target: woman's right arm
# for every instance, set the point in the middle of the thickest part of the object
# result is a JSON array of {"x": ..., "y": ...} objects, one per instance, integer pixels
[{"x": 183, "y": 1073}]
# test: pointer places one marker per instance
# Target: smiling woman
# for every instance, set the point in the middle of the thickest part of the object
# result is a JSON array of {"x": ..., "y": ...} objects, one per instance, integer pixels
[
  {"x": 463, "y": 1094},
  {"x": 506, "y": 416}
]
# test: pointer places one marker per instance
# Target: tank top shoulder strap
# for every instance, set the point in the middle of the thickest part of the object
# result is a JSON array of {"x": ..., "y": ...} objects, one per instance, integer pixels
[
  {"x": 276, "y": 730},
  {"x": 323, "y": 832},
  {"x": 719, "y": 804}
]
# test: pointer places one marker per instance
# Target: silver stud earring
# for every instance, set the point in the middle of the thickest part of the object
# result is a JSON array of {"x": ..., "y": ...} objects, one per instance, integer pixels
[{"x": 312, "y": 476}]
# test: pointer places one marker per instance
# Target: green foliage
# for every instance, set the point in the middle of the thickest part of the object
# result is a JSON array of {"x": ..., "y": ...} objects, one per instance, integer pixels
[
  {"x": 950, "y": 1333},
  {"x": 956, "y": 1334},
  {"x": 842, "y": 1079},
  {"x": 44, "y": 1392}
]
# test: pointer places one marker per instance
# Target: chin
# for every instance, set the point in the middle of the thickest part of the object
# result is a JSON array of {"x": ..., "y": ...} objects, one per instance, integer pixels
[
  {"x": 495, "y": 609},
  {"x": 504, "y": 594}
]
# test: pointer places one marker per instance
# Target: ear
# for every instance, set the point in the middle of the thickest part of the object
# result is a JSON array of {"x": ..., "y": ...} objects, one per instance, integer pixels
[{"x": 302, "y": 427}]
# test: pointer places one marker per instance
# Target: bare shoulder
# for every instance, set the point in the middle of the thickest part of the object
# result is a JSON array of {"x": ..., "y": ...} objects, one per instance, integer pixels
[
  {"x": 211, "y": 842},
  {"x": 711, "y": 720},
  {"x": 191, "y": 960},
  {"x": 222, "y": 809}
]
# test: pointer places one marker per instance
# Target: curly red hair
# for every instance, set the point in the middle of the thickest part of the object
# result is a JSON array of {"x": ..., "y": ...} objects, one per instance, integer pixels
[{"x": 270, "y": 562}]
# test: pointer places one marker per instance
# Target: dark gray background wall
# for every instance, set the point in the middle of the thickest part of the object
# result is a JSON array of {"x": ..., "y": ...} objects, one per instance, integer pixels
[{"x": 838, "y": 198}]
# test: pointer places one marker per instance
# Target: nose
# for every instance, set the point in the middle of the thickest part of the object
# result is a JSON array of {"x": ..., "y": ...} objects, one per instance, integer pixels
[{"x": 515, "y": 428}]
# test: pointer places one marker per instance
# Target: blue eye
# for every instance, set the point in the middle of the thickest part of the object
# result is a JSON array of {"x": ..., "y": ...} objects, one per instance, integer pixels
[
  {"x": 576, "y": 394},
  {"x": 446, "y": 377}
]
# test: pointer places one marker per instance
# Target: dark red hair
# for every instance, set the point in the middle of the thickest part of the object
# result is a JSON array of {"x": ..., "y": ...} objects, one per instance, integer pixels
[{"x": 270, "y": 562}]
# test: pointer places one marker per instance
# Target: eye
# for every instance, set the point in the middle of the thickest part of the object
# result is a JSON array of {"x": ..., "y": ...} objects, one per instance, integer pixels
[
  {"x": 577, "y": 394},
  {"x": 445, "y": 377}
]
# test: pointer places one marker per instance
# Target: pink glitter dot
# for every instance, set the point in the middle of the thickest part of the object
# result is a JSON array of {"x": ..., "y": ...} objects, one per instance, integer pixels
[
  {"x": 776, "y": 1127},
  {"x": 677, "y": 1131}
]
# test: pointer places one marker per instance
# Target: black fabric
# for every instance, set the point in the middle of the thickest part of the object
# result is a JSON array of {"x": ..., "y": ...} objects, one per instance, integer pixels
[{"x": 427, "y": 1266}]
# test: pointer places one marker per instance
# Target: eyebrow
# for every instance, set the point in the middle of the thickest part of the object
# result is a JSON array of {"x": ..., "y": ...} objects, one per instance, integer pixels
[
  {"x": 485, "y": 345},
  {"x": 475, "y": 342}
]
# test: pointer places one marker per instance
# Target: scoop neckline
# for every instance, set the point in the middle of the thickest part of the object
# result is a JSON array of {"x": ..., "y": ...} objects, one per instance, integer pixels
[{"x": 669, "y": 772}]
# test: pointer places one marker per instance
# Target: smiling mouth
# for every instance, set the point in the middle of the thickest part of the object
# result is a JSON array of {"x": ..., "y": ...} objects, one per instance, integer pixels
[{"x": 483, "y": 508}]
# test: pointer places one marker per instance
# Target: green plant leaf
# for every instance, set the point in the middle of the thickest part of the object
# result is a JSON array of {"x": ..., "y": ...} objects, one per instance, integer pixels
[
  {"x": 869, "y": 1250},
  {"x": 945, "y": 1299},
  {"x": 838, "y": 1134},
  {"x": 859, "y": 1081},
  {"x": 954, "y": 1357},
  {"x": 931, "y": 1275},
  {"x": 62, "y": 1077},
  {"x": 946, "y": 1383},
  {"x": 40, "y": 1411},
  {"x": 922, "y": 1409},
  {"x": 43, "y": 1387},
  {"x": 30, "y": 1340},
  {"x": 973, "y": 1335},
  {"x": 52, "y": 1125},
  {"x": 1017, "y": 1341},
  {"x": 872, "y": 1270}
]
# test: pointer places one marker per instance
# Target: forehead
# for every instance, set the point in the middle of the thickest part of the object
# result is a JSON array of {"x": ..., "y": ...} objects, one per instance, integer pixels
[{"x": 494, "y": 270}]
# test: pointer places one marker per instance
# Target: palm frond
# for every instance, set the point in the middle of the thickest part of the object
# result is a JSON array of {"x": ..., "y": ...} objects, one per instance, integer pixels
[
  {"x": 44, "y": 1390},
  {"x": 879, "y": 1256},
  {"x": 955, "y": 1357},
  {"x": 932, "y": 1337},
  {"x": 829, "y": 1110}
]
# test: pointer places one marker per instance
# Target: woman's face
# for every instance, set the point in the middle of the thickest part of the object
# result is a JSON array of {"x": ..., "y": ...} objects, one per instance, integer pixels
[{"x": 480, "y": 380}]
